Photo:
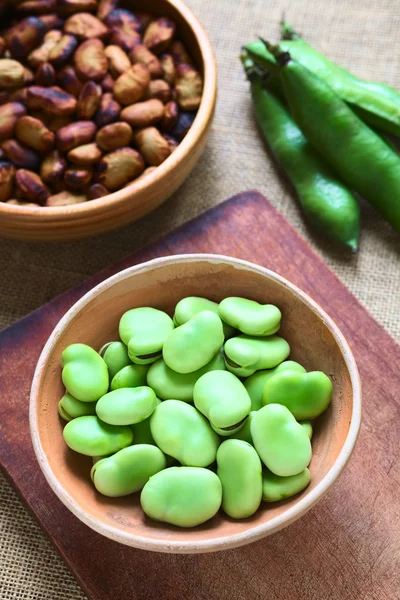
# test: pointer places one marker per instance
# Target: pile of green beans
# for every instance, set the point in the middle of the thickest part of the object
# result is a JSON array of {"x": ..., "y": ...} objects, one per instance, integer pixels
[
  {"x": 199, "y": 412},
  {"x": 322, "y": 125}
]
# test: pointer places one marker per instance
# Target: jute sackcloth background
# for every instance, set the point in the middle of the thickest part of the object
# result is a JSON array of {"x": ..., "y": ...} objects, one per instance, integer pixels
[{"x": 363, "y": 35}]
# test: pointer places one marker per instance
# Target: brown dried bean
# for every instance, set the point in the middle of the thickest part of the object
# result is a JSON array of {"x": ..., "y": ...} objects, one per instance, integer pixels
[
  {"x": 7, "y": 175},
  {"x": 53, "y": 167},
  {"x": 52, "y": 99},
  {"x": 159, "y": 89},
  {"x": 75, "y": 134},
  {"x": 152, "y": 146},
  {"x": 12, "y": 73},
  {"x": 90, "y": 60},
  {"x": 63, "y": 50},
  {"x": 45, "y": 75},
  {"x": 34, "y": 134},
  {"x": 118, "y": 60},
  {"x": 85, "y": 155},
  {"x": 41, "y": 54},
  {"x": 107, "y": 84},
  {"x": 124, "y": 27},
  {"x": 31, "y": 187},
  {"x": 170, "y": 116},
  {"x": 108, "y": 111},
  {"x": 159, "y": 34},
  {"x": 68, "y": 7},
  {"x": 105, "y": 7},
  {"x": 85, "y": 26},
  {"x": 114, "y": 136},
  {"x": 51, "y": 21},
  {"x": 143, "y": 114},
  {"x": 89, "y": 100},
  {"x": 97, "y": 191},
  {"x": 179, "y": 53},
  {"x": 68, "y": 80},
  {"x": 36, "y": 7},
  {"x": 168, "y": 66},
  {"x": 188, "y": 87},
  {"x": 9, "y": 115},
  {"x": 20, "y": 155},
  {"x": 131, "y": 85},
  {"x": 141, "y": 54},
  {"x": 19, "y": 95},
  {"x": 77, "y": 177},
  {"x": 118, "y": 167},
  {"x": 29, "y": 76},
  {"x": 25, "y": 36},
  {"x": 185, "y": 121},
  {"x": 65, "y": 198}
]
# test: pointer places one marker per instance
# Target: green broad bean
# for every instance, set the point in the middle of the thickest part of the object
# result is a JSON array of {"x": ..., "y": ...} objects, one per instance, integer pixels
[
  {"x": 126, "y": 406},
  {"x": 142, "y": 432},
  {"x": 306, "y": 395},
  {"x": 70, "y": 408},
  {"x": 275, "y": 488},
  {"x": 307, "y": 426},
  {"x": 256, "y": 382},
  {"x": 192, "y": 305},
  {"x": 244, "y": 433},
  {"x": 182, "y": 496},
  {"x": 84, "y": 373},
  {"x": 128, "y": 470},
  {"x": 282, "y": 443},
  {"x": 244, "y": 354},
  {"x": 169, "y": 384},
  {"x": 239, "y": 470},
  {"x": 115, "y": 355},
  {"x": 90, "y": 436},
  {"x": 250, "y": 317},
  {"x": 191, "y": 346},
  {"x": 129, "y": 377},
  {"x": 181, "y": 431},
  {"x": 144, "y": 330},
  {"x": 223, "y": 399}
]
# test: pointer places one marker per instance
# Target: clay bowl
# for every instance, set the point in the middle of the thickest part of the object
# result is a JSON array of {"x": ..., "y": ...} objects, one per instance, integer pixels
[
  {"x": 315, "y": 341},
  {"x": 129, "y": 204}
]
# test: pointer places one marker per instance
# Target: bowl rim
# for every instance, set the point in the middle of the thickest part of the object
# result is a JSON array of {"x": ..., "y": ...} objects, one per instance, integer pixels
[
  {"x": 220, "y": 543},
  {"x": 116, "y": 201}
]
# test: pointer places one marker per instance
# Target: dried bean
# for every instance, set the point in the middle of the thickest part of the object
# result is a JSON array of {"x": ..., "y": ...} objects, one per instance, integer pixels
[
  {"x": 75, "y": 134},
  {"x": 7, "y": 176},
  {"x": 20, "y": 155},
  {"x": 34, "y": 134},
  {"x": 9, "y": 115},
  {"x": 53, "y": 167},
  {"x": 45, "y": 75},
  {"x": 31, "y": 187},
  {"x": 131, "y": 85},
  {"x": 159, "y": 34},
  {"x": 65, "y": 198},
  {"x": 118, "y": 167},
  {"x": 77, "y": 177},
  {"x": 85, "y": 155},
  {"x": 12, "y": 73},
  {"x": 141, "y": 54},
  {"x": 152, "y": 146},
  {"x": 52, "y": 99},
  {"x": 90, "y": 60},
  {"x": 63, "y": 50},
  {"x": 97, "y": 191},
  {"x": 68, "y": 79},
  {"x": 85, "y": 26},
  {"x": 89, "y": 100},
  {"x": 159, "y": 89},
  {"x": 114, "y": 136},
  {"x": 143, "y": 114},
  {"x": 118, "y": 60}
]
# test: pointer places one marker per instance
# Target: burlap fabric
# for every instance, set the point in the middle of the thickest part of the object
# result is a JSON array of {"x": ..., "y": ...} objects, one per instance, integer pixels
[{"x": 363, "y": 35}]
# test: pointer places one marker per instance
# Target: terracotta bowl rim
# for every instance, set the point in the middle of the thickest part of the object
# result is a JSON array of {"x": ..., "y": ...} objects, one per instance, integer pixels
[
  {"x": 230, "y": 541},
  {"x": 118, "y": 199}
]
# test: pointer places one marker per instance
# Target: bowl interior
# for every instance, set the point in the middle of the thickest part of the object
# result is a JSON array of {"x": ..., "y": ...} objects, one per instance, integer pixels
[{"x": 162, "y": 286}]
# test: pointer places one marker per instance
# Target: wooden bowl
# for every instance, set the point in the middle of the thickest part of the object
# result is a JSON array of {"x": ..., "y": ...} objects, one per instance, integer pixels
[
  {"x": 141, "y": 197},
  {"x": 315, "y": 340}
]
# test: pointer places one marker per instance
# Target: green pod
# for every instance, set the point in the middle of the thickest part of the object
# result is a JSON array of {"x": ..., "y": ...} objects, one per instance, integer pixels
[
  {"x": 144, "y": 330},
  {"x": 239, "y": 470},
  {"x": 191, "y": 346},
  {"x": 223, "y": 399},
  {"x": 328, "y": 204},
  {"x": 275, "y": 488},
  {"x": 192, "y": 305},
  {"x": 256, "y": 382},
  {"x": 244, "y": 433},
  {"x": 360, "y": 157},
  {"x": 249, "y": 316},
  {"x": 129, "y": 377},
  {"x": 181, "y": 431},
  {"x": 88, "y": 435},
  {"x": 307, "y": 426},
  {"x": 245, "y": 354},
  {"x": 115, "y": 355},
  {"x": 306, "y": 395},
  {"x": 128, "y": 470},
  {"x": 70, "y": 408},
  {"x": 84, "y": 373},
  {"x": 126, "y": 406},
  {"x": 182, "y": 496},
  {"x": 169, "y": 384},
  {"x": 282, "y": 443},
  {"x": 142, "y": 431},
  {"x": 376, "y": 103}
]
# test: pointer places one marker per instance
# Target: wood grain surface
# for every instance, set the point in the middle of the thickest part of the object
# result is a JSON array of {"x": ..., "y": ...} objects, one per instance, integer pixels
[{"x": 347, "y": 547}]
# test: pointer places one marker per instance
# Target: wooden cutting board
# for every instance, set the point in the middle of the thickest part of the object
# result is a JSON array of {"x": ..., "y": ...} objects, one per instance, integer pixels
[{"x": 347, "y": 547}]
